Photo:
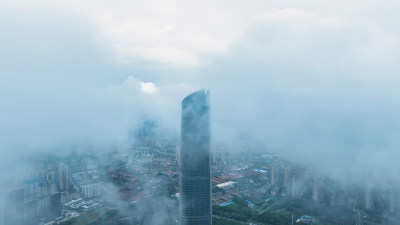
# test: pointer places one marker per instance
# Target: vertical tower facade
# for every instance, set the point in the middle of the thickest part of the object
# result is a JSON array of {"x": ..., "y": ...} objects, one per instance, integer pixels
[
  {"x": 195, "y": 183},
  {"x": 315, "y": 188},
  {"x": 63, "y": 177}
]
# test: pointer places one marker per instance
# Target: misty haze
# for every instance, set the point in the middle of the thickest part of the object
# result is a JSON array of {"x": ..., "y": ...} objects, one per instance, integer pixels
[{"x": 189, "y": 112}]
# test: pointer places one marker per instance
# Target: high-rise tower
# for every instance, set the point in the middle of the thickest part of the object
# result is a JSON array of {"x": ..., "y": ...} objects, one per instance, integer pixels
[
  {"x": 195, "y": 186},
  {"x": 63, "y": 177}
]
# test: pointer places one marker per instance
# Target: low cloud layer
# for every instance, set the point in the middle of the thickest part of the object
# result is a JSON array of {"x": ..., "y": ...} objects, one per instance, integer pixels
[{"x": 316, "y": 82}]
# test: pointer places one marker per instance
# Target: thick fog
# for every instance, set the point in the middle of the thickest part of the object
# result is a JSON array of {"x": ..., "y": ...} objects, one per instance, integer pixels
[{"x": 315, "y": 82}]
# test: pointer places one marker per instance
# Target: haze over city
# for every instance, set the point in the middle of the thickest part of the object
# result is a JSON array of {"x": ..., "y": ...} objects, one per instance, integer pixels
[{"x": 315, "y": 83}]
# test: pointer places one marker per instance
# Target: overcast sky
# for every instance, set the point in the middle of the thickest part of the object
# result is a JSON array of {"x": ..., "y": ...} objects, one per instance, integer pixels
[{"x": 314, "y": 80}]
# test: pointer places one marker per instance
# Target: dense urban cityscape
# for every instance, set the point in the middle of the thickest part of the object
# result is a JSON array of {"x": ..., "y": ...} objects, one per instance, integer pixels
[
  {"x": 141, "y": 185},
  {"x": 170, "y": 112}
]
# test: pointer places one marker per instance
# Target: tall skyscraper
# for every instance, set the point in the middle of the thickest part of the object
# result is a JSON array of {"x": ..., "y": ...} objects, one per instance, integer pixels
[
  {"x": 63, "y": 177},
  {"x": 195, "y": 183},
  {"x": 369, "y": 204},
  {"x": 315, "y": 188}
]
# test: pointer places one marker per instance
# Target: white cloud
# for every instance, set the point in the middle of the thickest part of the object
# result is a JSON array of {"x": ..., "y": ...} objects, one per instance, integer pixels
[
  {"x": 171, "y": 32},
  {"x": 304, "y": 39},
  {"x": 187, "y": 33},
  {"x": 134, "y": 86},
  {"x": 148, "y": 87},
  {"x": 190, "y": 33}
]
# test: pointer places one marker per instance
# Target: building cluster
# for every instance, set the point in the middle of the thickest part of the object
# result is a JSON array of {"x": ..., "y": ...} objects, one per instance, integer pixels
[
  {"x": 289, "y": 180},
  {"x": 269, "y": 175},
  {"x": 197, "y": 173},
  {"x": 88, "y": 185},
  {"x": 34, "y": 199},
  {"x": 45, "y": 195}
]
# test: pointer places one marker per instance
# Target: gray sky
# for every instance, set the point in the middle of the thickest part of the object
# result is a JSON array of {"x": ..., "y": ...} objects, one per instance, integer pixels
[{"x": 315, "y": 80}]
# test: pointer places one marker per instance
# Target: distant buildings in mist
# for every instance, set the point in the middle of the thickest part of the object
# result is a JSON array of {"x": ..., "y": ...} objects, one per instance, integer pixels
[
  {"x": 63, "y": 176},
  {"x": 294, "y": 181},
  {"x": 46, "y": 186},
  {"x": 71, "y": 183},
  {"x": 37, "y": 197},
  {"x": 145, "y": 135},
  {"x": 195, "y": 158}
]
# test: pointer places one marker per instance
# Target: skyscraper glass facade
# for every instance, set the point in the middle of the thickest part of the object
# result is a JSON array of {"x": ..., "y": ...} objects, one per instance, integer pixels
[{"x": 195, "y": 187}]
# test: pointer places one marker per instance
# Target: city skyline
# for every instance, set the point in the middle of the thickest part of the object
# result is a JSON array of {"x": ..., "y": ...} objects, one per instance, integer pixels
[
  {"x": 91, "y": 93},
  {"x": 299, "y": 78}
]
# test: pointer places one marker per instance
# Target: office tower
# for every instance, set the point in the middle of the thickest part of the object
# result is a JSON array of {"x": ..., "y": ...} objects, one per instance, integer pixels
[
  {"x": 368, "y": 197},
  {"x": 391, "y": 198},
  {"x": 146, "y": 134},
  {"x": 63, "y": 176},
  {"x": 286, "y": 176},
  {"x": 276, "y": 175},
  {"x": 296, "y": 182},
  {"x": 273, "y": 174},
  {"x": 315, "y": 188},
  {"x": 195, "y": 184}
]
